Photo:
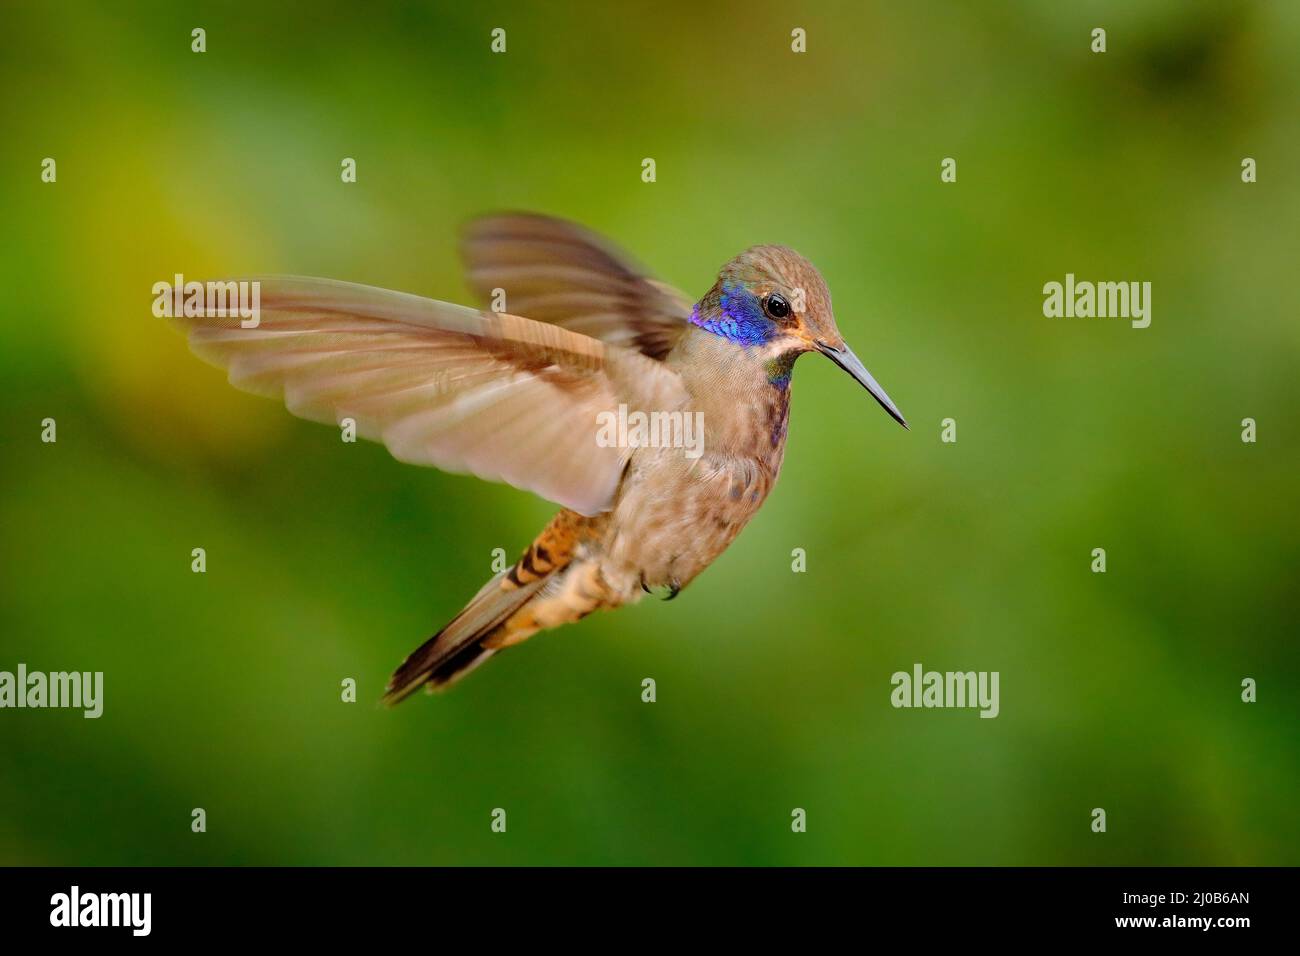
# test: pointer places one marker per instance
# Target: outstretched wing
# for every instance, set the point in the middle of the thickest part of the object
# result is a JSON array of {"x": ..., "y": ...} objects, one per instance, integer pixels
[
  {"x": 494, "y": 395},
  {"x": 554, "y": 271}
]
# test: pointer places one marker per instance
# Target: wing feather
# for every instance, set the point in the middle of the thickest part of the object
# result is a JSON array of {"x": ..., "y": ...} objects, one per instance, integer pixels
[
  {"x": 557, "y": 272},
  {"x": 496, "y": 395}
]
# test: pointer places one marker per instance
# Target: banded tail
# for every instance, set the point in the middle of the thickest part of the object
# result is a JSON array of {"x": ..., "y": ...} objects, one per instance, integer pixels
[{"x": 548, "y": 586}]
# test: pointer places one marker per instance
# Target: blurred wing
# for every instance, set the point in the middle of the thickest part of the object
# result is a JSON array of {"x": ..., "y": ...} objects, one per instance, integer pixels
[
  {"x": 497, "y": 396},
  {"x": 554, "y": 271}
]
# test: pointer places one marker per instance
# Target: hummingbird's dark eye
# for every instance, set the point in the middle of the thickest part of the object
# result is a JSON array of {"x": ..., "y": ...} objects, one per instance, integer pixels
[{"x": 776, "y": 306}]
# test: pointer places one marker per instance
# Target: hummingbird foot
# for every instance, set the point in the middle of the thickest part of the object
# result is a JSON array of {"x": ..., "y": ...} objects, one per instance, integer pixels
[{"x": 674, "y": 588}]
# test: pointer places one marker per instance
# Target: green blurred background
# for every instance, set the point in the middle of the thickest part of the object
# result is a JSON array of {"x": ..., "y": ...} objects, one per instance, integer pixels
[{"x": 328, "y": 561}]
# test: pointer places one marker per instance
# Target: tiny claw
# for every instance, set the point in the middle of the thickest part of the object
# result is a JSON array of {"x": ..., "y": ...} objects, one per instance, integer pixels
[
  {"x": 643, "y": 584},
  {"x": 674, "y": 589}
]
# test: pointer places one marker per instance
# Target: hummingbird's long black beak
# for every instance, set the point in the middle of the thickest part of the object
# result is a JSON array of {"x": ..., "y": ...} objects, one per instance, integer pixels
[{"x": 845, "y": 359}]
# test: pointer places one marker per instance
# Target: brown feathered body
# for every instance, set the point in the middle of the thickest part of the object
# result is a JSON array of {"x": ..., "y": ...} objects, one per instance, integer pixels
[{"x": 671, "y": 517}]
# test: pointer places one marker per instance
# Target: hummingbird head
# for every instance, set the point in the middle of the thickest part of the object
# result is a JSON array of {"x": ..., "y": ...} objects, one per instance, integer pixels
[{"x": 773, "y": 301}]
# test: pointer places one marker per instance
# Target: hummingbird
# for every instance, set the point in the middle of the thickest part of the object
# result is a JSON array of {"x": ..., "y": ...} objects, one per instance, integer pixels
[{"x": 514, "y": 394}]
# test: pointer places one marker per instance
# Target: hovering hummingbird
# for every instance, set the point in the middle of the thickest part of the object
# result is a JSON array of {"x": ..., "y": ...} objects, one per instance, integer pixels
[{"x": 516, "y": 396}]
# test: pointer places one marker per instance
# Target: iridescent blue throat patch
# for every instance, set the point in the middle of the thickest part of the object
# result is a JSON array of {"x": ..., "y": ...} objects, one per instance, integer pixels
[{"x": 741, "y": 319}]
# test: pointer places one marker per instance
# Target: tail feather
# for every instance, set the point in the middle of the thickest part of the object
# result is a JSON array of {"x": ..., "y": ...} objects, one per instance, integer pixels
[
  {"x": 457, "y": 648},
  {"x": 480, "y": 629}
]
